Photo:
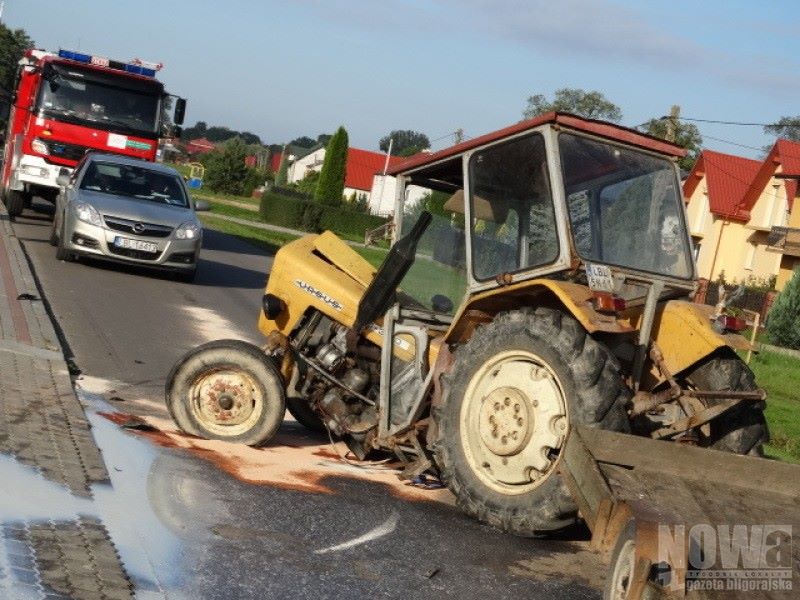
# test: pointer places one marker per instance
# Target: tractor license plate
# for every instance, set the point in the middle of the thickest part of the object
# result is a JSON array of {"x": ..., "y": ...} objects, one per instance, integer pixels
[
  {"x": 599, "y": 277},
  {"x": 121, "y": 242}
]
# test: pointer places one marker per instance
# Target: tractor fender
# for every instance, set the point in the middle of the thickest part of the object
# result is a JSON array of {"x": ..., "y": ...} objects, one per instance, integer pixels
[
  {"x": 684, "y": 334},
  {"x": 573, "y": 298}
]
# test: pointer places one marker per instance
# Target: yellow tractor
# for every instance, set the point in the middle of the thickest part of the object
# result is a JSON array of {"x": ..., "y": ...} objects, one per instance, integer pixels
[{"x": 541, "y": 278}]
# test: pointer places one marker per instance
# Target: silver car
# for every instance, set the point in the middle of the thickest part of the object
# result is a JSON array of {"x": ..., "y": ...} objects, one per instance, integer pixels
[{"x": 128, "y": 210}]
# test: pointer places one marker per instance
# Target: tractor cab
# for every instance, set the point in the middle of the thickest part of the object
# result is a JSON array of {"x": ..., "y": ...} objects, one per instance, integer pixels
[{"x": 556, "y": 197}]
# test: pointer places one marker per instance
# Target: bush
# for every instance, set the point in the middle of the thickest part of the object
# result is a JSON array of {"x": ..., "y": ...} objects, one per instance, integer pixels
[
  {"x": 312, "y": 216},
  {"x": 225, "y": 169},
  {"x": 252, "y": 179},
  {"x": 783, "y": 323}
]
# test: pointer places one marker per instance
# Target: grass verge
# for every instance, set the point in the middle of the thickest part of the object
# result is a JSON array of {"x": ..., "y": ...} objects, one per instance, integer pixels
[
  {"x": 780, "y": 376},
  {"x": 261, "y": 238}
]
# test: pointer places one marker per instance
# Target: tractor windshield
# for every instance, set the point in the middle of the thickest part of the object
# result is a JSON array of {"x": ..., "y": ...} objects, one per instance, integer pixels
[{"x": 624, "y": 207}]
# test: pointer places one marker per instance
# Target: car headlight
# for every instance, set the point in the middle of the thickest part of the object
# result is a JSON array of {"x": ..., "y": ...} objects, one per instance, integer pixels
[
  {"x": 88, "y": 214},
  {"x": 188, "y": 231},
  {"x": 39, "y": 147}
]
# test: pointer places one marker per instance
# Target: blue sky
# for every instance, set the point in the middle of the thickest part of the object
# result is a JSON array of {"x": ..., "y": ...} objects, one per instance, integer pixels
[{"x": 288, "y": 68}]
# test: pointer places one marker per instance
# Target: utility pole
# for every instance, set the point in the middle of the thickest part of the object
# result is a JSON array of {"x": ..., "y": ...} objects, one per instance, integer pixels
[
  {"x": 458, "y": 135},
  {"x": 672, "y": 122}
]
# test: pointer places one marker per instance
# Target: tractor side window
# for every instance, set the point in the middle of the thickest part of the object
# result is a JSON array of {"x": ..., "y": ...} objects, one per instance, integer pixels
[
  {"x": 512, "y": 222},
  {"x": 437, "y": 279}
]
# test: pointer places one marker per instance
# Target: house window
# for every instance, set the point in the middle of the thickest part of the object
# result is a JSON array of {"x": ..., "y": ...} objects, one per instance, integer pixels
[{"x": 751, "y": 256}]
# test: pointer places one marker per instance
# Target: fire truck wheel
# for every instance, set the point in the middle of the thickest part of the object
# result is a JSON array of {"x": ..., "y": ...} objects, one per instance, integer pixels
[
  {"x": 515, "y": 389},
  {"x": 227, "y": 390},
  {"x": 15, "y": 203},
  {"x": 743, "y": 429}
]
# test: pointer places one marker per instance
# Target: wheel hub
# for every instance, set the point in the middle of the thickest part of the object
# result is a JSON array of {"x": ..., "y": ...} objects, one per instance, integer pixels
[
  {"x": 513, "y": 421},
  {"x": 225, "y": 398},
  {"x": 505, "y": 421}
]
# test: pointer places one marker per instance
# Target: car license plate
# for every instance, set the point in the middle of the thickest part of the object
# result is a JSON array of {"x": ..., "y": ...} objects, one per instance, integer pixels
[{"x": 121, "y": 242}]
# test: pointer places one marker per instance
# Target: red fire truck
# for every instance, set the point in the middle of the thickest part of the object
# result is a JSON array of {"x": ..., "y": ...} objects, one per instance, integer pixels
[{"x": 67, "y": 103}]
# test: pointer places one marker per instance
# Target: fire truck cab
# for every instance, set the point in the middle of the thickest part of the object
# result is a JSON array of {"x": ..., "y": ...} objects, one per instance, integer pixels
[{"x": 67, "y": 103}]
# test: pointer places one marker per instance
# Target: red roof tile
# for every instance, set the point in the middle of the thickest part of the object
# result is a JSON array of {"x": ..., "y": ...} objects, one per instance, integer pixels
[
  {"x": 362, "y": 165},
  {"x": 728, "y": 179},
  {"x": 784, "y": 153},
  {"x": 199, "y": 146}
]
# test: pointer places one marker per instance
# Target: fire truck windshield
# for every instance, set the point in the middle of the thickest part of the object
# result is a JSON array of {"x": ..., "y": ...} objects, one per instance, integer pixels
[{"x": 98, "y": 100}]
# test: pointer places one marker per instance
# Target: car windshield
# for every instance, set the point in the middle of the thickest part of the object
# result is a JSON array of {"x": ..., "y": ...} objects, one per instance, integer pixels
[
  {"x": 95, "y": 101},
  {"x": 624, "y": 207},
  {"x": 135, "y": 182}
]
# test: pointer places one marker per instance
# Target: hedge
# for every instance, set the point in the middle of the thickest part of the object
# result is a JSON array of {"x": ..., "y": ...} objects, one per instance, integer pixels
[{"x": 314, "y": 217}]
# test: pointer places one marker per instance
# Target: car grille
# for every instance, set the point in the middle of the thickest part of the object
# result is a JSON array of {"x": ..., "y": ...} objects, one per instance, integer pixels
[
  {"x": 64, "y": 150},
  {"x": 137, "y": 228},
  {"x": 137, "y": 254}
]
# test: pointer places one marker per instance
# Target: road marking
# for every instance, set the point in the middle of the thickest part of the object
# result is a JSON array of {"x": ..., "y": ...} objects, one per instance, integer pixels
[{"x": 373, "y": 534}]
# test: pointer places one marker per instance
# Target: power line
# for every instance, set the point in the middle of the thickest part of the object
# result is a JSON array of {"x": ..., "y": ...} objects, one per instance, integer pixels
[{"x": 741, "y": 123}]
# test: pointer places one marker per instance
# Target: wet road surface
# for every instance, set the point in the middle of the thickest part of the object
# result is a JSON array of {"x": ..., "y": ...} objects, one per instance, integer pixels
[{"x": 200, "y": 519}]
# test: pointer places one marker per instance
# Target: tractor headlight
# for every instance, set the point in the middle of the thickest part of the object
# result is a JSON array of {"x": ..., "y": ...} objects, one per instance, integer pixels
[
  {"x": 88, "y": 214},
  {"x": 188, "y": 231},
  {"x": 272, "y": 305}
]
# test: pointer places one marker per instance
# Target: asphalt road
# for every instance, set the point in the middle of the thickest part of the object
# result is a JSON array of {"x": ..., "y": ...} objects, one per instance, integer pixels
[{"x": 195, "y": 520}]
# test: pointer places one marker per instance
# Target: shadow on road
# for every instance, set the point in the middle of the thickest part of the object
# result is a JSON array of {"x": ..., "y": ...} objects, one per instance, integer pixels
[
  {"x": 215, "y": 240},
  {"x": 210, "y": 273}
]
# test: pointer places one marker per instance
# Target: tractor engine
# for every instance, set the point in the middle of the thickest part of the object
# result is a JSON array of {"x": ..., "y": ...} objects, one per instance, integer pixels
[{"x": 341, "y": 386}]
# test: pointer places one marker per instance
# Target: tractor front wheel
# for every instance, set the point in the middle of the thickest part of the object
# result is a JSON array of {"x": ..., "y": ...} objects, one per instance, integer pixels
[
  {"x": 227, "y": 390},
  {"x": 515, "y": 390}
]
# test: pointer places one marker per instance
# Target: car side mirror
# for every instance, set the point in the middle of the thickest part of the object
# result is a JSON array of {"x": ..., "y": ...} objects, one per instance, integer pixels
[
  {"x": 62, "y": 180},
  {"x": 200, "y": 205}
]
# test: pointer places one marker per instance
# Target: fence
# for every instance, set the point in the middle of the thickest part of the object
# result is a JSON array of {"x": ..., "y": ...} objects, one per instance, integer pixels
[{"x": 754, "y": 299}]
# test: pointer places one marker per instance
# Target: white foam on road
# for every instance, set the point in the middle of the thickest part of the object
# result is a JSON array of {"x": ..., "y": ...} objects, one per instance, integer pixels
[{"x": 373, "y": 534}]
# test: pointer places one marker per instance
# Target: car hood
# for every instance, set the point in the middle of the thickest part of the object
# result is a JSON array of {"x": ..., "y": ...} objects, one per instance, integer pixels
[{"x": 134, "y": 209}]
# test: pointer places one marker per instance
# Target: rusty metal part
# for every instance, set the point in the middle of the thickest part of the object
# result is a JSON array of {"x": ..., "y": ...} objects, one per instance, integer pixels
[
  {"x": 325, "y": 375},
  {"x": 695, "y": 420},
  {"x": 275, "y": 342},
  {"x": 755, "y": 395},
  {"x": 644, "y": 402}
]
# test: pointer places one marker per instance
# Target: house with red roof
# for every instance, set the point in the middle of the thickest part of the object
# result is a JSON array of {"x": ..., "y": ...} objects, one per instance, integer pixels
[
  {"x": 199, "y": 146},
  {"x": 735, "y": 204},
  {"x": 363, "y": 175}
]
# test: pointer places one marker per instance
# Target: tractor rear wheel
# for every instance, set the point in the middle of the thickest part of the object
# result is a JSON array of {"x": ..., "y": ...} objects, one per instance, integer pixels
[
  {"x": 227, "y": 390},
  {"x": 742, "y": 429},
  {"x": 516, "y": 388}
]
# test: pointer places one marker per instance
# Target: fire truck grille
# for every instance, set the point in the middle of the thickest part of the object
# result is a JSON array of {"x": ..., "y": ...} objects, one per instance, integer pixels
[{"x": 64, "y": 150}]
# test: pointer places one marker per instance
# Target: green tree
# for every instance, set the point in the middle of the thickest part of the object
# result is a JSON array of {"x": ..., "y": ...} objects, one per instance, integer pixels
[
  {"x": 225, "y": 168},
  {"x": 687, "y": 135},
  {"x": 13, "y": 44},
  {"x": 303, "y": 142},
  {"x": 331, "y": 179},
  {"x": 592, "y": 105},
  {"x": 406, "y": 142},
  {"x": 783, "y": 324},
  {"x": 785, "y": 127}
]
